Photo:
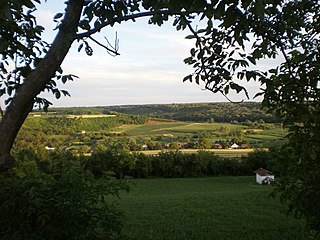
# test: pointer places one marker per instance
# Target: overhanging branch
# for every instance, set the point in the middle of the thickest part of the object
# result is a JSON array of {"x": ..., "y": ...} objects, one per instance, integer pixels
[{"x": 126, "y": 18}]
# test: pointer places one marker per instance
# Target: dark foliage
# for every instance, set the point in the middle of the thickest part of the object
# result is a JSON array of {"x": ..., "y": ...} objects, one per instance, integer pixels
[
  {"x": 173, "y": 164},
  {"x": 56, "y": 198}
]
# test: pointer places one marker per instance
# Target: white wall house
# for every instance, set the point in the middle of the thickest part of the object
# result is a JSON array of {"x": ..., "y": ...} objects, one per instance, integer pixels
[
  {"x": 264, "y": 176},
  {"x": 234, "y": 146},
  {"x": 50, "y": 148}
]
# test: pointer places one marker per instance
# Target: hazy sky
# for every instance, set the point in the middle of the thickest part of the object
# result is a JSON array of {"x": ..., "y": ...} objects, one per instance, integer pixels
[{"x": 150, "y": 68}]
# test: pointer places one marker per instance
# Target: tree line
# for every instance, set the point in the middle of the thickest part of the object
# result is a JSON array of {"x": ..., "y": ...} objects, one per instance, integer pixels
[
  {"x": 70, "y": 125},
  {"x": 193, "y": 112},
  {"x": 120, "y": 163}
]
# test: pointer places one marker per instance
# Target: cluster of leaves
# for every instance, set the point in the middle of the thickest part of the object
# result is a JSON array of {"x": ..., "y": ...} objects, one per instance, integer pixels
[
  {"x": 57, "y": 198},
  {"x": 20, "y": 44},
  {"x": 239, "y": 34},
  {"x": 298, "y": 163},
  {"x": 22, "y": 48}
]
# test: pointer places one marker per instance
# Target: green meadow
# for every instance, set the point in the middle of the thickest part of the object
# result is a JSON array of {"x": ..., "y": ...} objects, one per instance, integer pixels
[
  {"x": 174, "y": 128},
  {"x": 171, "y": 130},
  {"x": 221, "y": 208}
]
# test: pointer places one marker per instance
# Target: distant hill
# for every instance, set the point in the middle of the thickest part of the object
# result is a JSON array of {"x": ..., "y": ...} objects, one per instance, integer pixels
[{"x": 194, "y": 112}]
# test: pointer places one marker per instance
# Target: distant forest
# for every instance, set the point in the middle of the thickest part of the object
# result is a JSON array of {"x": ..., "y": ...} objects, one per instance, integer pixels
[{"x": 193, "y": 112}]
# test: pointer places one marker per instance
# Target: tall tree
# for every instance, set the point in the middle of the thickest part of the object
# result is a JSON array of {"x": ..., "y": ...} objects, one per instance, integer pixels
[{"x": 241, "y": 33}]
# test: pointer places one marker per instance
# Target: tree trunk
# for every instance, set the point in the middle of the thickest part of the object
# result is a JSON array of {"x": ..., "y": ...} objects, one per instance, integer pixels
[{"x": 36, "y": 81}]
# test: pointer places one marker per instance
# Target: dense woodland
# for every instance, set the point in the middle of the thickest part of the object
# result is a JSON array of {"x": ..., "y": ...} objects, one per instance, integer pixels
[{"x": 194, "y": 112}]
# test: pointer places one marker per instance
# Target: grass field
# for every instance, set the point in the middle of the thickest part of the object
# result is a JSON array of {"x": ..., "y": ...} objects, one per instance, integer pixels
[
  {"x": 220, "y": 152},
  {"x": 174, "y": 128},
  {"x": 219, "y": 208}
]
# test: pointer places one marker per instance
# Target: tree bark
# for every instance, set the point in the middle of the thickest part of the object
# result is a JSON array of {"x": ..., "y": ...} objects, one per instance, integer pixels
[{"x": 36, "y": 81}]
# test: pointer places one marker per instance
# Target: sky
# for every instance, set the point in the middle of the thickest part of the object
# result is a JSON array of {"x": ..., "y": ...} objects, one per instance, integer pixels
[{"x": 149, "y": 70}]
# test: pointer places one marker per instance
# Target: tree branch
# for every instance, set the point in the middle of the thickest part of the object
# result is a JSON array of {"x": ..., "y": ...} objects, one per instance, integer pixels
[
  {"x": 112, "y": 52},
  {"x": 126, "y": 18}
]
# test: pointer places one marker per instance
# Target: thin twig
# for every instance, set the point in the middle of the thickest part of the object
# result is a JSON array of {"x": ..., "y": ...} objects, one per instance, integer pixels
[{"x": 110, "y": 51}]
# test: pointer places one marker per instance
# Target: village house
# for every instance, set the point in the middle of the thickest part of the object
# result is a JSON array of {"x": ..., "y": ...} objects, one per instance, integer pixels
[
  {"x": 234, "y": 146},
  {"x": 264, "y": 177},
  {"x": 244, "y": 146},
  {"x": 49, "y": 148},
  {"x": 217, "y": 146},
  {"x": 144, "y": 146}
]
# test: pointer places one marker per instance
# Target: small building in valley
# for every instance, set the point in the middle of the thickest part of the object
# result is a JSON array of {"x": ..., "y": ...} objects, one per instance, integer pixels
[
  {"x": 50, "y": 148},
  {"x": 264, "y": 177},
  {"x": 234, "y": 146}
]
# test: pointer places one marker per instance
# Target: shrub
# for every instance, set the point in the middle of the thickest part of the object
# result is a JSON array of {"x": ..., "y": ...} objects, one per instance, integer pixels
[
  {"x": 64, "y": 202},
  {"x": 142, "y": 167}
]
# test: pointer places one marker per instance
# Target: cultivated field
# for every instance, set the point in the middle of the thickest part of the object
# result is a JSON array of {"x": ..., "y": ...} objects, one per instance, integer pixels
[
  {"x": 173, "y": 128},
  {"x": 85, "y": 132},
  {"x": 220, "y": 152},
  {"x": 219, "y": 208},
  {"x": 167, "y": 130}
]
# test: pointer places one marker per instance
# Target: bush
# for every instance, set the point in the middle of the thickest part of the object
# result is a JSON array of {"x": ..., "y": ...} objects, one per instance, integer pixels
[
  {"x": 63, "y": 202},
  {"x": 142, "y": 167}
]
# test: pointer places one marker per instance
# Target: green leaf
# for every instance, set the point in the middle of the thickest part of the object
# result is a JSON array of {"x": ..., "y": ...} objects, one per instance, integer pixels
[
  {"x": 189, "y": 77},
  {"x": 57, "y": 16},
  {"x": 193, "y": 52},
  {"x": 57, "y": 94},
  {"x": 197, "y": 79},
  {"x": 9, "y": 90},
  {"x": 273, "y": 71},
  {"x": 80, "y": 47},
  {"x": 230, "y": 17},
  {"x": 190, "y": 37},
  {"x": 236, "y": 87},
  {"x": 202, "y": 30},
  {"x": 188, "y": 60},
  {"x": 220, "y": 10},
  {"x": 250, "y": 74},
  {"x": 226, "y": 90},
  {"x": 259, "y": 7},
  {"x": 246, "y": 3},
  {"x": 28, "y": 3},
  {"x": 252, "y": 60},
  {"x": 2, "y": 92},
  {"x": 64, "y": 79},
  {"x": 65, "y": 93}
]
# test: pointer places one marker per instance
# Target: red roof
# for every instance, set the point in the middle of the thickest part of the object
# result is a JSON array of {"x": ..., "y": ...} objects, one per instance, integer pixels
[{"x": 263, "y": 172}]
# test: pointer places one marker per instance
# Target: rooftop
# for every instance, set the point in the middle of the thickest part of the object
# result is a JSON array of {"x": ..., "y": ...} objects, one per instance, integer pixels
[{"x": 263, "y": 172}]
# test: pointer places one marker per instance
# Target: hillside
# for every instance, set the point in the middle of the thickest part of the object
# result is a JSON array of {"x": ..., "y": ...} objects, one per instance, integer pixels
[{"x": 194, "y": 112}]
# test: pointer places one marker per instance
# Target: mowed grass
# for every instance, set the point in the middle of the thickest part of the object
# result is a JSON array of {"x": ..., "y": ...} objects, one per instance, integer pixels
[{"x": 206, "y": 208}]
